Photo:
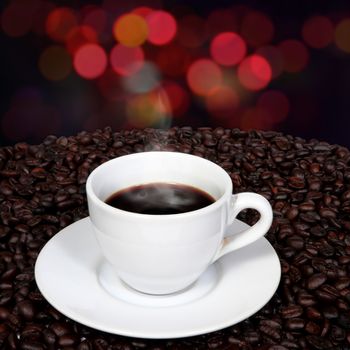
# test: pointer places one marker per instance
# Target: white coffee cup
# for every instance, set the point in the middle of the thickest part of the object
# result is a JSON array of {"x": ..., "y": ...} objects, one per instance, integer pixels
[{"x": 161, "y": 254}]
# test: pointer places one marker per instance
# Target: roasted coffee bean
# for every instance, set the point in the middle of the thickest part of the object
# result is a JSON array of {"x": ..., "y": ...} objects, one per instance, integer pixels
[
  {"x": 291, "y": 311},
  {"x": 316, "y": 280},
  {"x": 42, "y": 190},
  {"x": 295, "y": 324}
]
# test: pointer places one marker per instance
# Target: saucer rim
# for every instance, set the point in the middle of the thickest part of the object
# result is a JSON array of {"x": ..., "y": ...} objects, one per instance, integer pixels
[{"x": 168, "y": 334}]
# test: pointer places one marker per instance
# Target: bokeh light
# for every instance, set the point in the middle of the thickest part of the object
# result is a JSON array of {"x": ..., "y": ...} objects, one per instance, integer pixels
[
  {"x": 342, "y": 35},
  {"x": 148, "y": 110},
  {"x": 16, "y": 18},
  {"x": 255, "y": 118},
  {"x": 203, "y": 76},
  {"x": 257, "y": 29},
  {"x": 318, "y": 32},
  {"x": 192, "y": 32},
  {"x": 96, "y": 18},
  {"x": 173, "y": 60},
  {"x": 110, "y": 86},
  {"x": 228, "y": 49},
  {"x": 80, "y": 36},
  {"x": 276, "y": 105},
  {"x": 221, "y": 21},
  {"x": 254, "y": 72},
  {"x": 295, "y": 55},
  {"x": 90, "y": 61},
  {"x": 222, "y": 102},
  {"x": 126, "y": 60},
  {"x": 40, "y": 16},
  {"x": 55, "y": 63},
  {"x": 162, "y": 27},
  {"x": 142, "y": 11},
  {"x": 274, "y": 56},
  {"x": 179, "y": 99},
  {"x": 146, "y": 79},
  {"x": 60, "y": 22},
  {"x": 130, "y": 30}
]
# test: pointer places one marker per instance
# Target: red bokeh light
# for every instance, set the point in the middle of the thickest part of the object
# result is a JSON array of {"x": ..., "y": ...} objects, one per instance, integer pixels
[
  {"x": 17, "y": 18},
  {"x": 222, "y": 102},
  {"x": 40, "y": 16},
  {"x": 96, "y": 18},
  {"x": 221, "y": 21},
  {"x": 274, "y": 56},
  {"x": 80, "y": 36},
  {"x": 295, "y": 55},
  {"x": 191, "y": 31},
  {"x": 173, "y": 60},
  {"x": 142, "y": 11},
  {"x": 203, "y": 76},
  {"x": 276, "y": 104},
  {"x": 178, "y": 97},
  {"x": 318, "y": 31},
  {"x": 255, "y": 118},
  {"x": 110, "y": 86},
  {"x": 60, "y": 22},
  {"x": 257, "y": 29},
  {"x": 228, "y": 49},
  {"x": 254, "y": 72},
  {"x": 90, "y": 61},
  {"x": 162, "y": 27},
  {"x": 126, "y": 60}
]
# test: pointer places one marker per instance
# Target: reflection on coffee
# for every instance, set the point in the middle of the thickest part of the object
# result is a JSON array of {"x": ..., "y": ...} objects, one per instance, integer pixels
[{"x": 160, "y": 199}]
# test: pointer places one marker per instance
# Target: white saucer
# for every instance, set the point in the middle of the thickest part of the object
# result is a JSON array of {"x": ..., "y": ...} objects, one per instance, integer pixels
[{"x": 73, "y": 276}]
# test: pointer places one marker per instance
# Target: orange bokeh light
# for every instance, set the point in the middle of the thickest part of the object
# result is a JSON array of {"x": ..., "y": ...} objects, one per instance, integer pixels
[
  {"x": 222, "y": 102},
  {"x": 90, "y": 61},
  {"x": 80, "y": 36},
  {"x": 228, "y": 49},
  {"x": 55, "y": 63},
  {"x": 254, "y": 72},
  {"x": 131, "y": 30},
  {"x": 257, "y": 29},
  {"x": 342, "y": 35},
  {"x": 318, "y": 32},
  {"x": 295, "y": 55},
  {"x": 162, "y": 27},
  {"x": 60, "y": 22},
  {"x": 274, "y": 56},
  {"x": 126, "y": 60},
  {"x": 203, "y": 76},
  {"x": 276, "y": 105},
  {"x": 191, "y": 31}
]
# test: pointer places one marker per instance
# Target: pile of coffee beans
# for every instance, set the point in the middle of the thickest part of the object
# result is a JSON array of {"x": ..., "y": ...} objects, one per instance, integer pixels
[{"x": 42, "y": 190}]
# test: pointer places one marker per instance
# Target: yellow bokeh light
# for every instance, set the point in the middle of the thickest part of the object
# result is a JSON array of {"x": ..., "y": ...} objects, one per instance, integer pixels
[
  {"x": 131, "y": 30},
  {"x": 148, "y": 109},
  {"x": 55, "y": 63},
  {"x": 342, "y": 35}
]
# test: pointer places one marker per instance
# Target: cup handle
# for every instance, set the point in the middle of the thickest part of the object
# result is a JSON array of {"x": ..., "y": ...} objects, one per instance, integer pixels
[{"x": 239, "y": 202}]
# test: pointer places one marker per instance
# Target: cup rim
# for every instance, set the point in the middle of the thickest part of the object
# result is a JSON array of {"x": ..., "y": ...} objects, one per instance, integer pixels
[{"x": 106, "y": 207}]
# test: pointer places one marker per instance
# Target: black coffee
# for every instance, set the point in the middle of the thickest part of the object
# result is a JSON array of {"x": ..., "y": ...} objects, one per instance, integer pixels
[{"x": 160, "y": 198}]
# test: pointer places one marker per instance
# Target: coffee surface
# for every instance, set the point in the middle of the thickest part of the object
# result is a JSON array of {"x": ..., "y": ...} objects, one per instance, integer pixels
[{"x": 160, "y": 198}]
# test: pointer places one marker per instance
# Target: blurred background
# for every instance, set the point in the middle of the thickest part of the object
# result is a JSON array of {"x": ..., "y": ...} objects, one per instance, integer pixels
[{"x": 68, "y": 66}]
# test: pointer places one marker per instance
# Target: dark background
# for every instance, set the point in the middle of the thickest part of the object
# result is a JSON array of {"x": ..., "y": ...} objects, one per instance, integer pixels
[{"x": 319, "y": 95}]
